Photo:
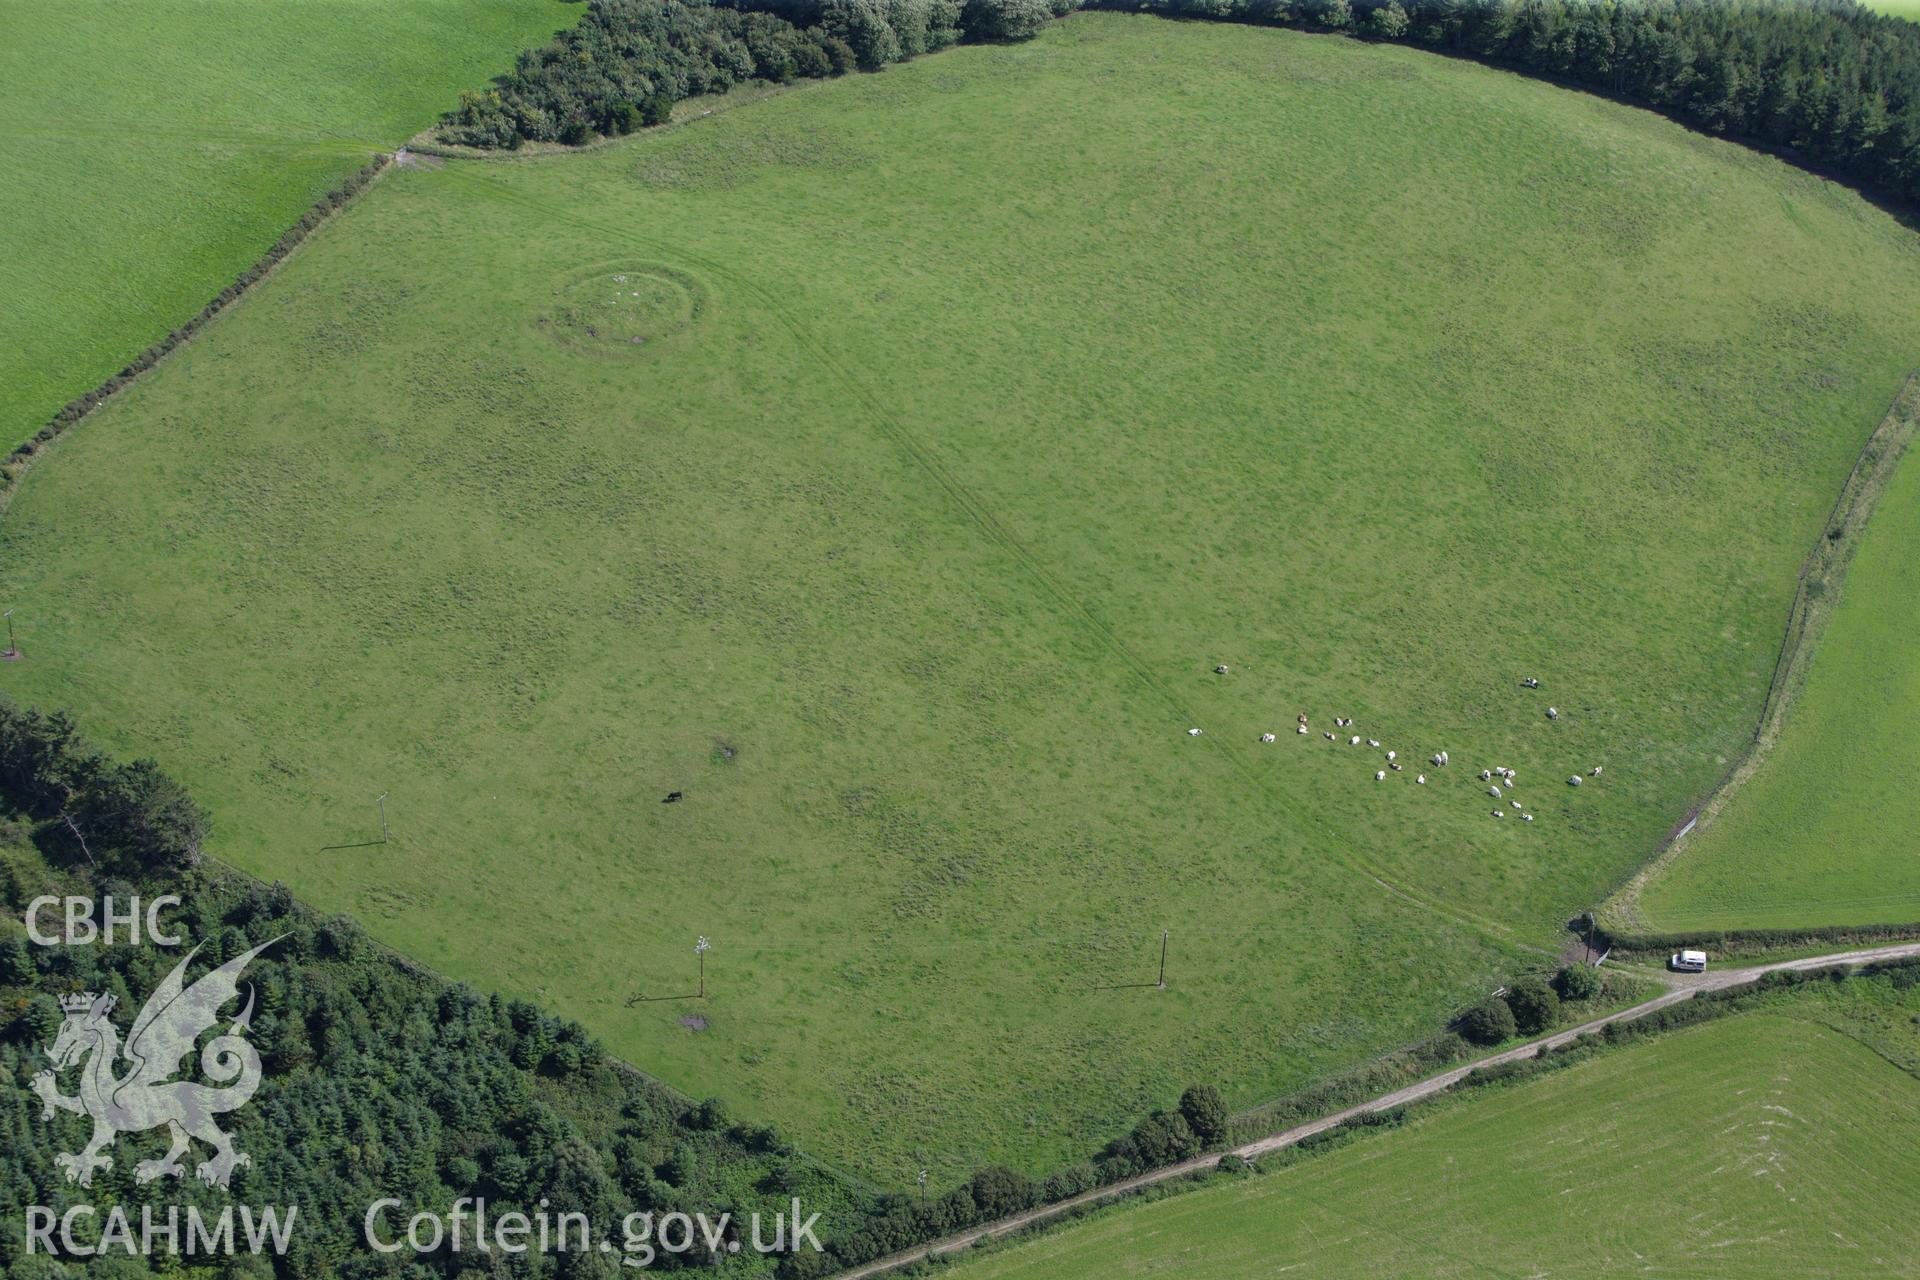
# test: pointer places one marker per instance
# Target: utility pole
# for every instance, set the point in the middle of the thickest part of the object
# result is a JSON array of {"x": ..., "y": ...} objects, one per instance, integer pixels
[
  {"x": 1162, "y": 983},
  {"x": 382, "y": 802},
  {"x": 13, "y": 650},
  {"x": 700, "y": 949}
]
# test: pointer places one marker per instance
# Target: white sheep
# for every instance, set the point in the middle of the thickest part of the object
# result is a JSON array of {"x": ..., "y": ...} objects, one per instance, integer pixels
[
  {"x": 1526, "y": 817},
  {"x": 1515, "y": 803},
  {"x": 1574, "y": 781},
  {"x": 1354, "y": 741},
  {"x": 1499, "y": 813},
  {"x": 1420, "y": 778},
  {"x": 1219, "y": 671},
  {"x": 1300, "y": 729},
  {"x": 1327, "y": 736},
  {"x": 1374, "y": 743},
  {"x": 1596, "y": 771},
  {"x": 1267, "y": 737},
  {"x": 1391, "y": 754},
  {"x": 1380, "y": 776},
  {"x": 1193, "y": 733},
  {"x": 1494, "y": 792},
  {"x": 1486, "y": 775},
  {"x": 1396, "y": 766},
  {"x": 1553, "y": 713}
]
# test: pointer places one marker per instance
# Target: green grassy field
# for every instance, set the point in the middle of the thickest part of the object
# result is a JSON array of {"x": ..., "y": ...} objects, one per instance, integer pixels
[
  {"x": 1757, "y": 1145},
  {"x": 1899, "y": 8},
  {"x": 1823, "y": 833},
  {"x": 151, "y": 149},
  {"x": 886, "y": 465}
]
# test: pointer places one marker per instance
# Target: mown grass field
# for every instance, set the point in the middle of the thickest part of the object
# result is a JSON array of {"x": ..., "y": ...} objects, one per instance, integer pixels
[
  {"x": 978, "y": 410},
  {"x": 1757, "y": 1145},
  {"x": 1823, "y": 833},
  {"x": 151, "y": 149}
]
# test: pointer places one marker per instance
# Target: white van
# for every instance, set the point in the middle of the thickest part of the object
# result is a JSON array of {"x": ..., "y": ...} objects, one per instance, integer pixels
[{"x": 1688, "y": 962}]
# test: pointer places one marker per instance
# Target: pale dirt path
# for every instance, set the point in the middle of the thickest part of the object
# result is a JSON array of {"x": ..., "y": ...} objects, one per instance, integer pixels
[{"x": 1684, "y": 988}]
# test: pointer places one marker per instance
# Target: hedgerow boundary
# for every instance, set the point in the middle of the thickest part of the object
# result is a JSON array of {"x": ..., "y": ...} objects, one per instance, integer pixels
[
  {"x": 77, "y": 409},
  {"x": 1684, "y": 1014},
  {"x": 1822, "y": 576},
  {"x": 1738, "y": 944}
]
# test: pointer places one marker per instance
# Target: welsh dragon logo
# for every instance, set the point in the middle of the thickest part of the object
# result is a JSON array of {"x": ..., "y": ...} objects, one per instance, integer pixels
[{"x": 147, "y": 1096}]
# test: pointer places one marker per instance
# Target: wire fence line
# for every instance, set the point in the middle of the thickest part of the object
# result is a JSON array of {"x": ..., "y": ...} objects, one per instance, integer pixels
[{"x": 1818, "y": 586}]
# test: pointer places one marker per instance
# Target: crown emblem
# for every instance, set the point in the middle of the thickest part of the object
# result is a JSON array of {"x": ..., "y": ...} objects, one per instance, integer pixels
[{"x": 78, "y": 1003}]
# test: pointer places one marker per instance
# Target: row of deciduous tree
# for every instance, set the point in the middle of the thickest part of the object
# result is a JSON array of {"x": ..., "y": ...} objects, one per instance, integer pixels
[
  {"x": 1833, "y": 83},
  {"x": 628, "y": 61}
]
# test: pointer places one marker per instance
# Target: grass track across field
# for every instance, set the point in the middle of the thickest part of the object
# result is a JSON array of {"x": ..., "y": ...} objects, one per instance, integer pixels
[{"x": 1095, "y": 362}]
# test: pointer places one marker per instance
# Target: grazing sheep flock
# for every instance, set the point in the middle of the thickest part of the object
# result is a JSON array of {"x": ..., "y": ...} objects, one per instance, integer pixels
[{"x": 1499, "y": 778}]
